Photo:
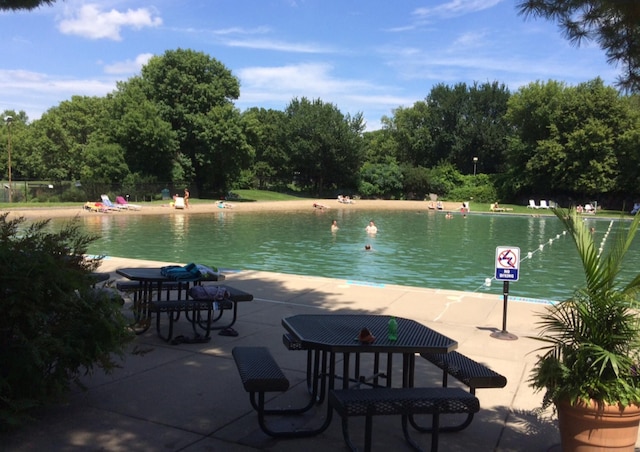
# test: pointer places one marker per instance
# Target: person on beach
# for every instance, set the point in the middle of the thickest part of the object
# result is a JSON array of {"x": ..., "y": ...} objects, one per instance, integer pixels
[
  {"x": 371, "y": 228},
  {"x": 334, "y": 226},
  {"x": 186, "y": 198}
]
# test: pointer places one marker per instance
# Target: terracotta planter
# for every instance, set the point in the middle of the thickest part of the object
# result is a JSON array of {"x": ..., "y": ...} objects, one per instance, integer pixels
[{"x": 589, "y": 428}]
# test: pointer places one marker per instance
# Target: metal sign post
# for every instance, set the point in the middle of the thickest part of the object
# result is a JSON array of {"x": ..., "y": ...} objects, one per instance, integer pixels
[{"x": 507, "y": 269}]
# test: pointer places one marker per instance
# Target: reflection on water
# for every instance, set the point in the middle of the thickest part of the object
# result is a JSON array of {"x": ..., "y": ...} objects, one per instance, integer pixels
[{"x": 411, "y": 248}]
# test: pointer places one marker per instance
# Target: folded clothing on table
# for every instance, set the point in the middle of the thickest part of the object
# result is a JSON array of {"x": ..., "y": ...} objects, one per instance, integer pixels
[{"x": 209, "y": 293}]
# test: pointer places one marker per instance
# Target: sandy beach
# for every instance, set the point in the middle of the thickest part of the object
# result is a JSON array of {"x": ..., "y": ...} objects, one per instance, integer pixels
[{"x": 208, "y": 207}]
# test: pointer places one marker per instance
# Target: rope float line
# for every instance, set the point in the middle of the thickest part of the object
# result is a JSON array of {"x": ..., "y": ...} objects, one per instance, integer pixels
[{"x": 529, "y": 255}]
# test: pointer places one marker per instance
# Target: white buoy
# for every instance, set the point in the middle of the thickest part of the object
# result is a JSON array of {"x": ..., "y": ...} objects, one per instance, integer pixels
[
  {"x": 550, "y": 241},
  {"x": 541, "y": 247},
  {"x": 487, "y": 282},
  {"x": 529, "y": 254}
]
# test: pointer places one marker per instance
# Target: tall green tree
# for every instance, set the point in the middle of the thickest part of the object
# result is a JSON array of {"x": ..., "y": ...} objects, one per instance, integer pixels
[
  {"x": 613, "y": 24},
  {"x": 14, "y": 134},
  {"x": 13, "y": 5},
  {"x": 568, "y": 138},
  {"x": 412, "y": 132},
  {"x": 266, "y": 133},
  {"x": 66, "y": 135},
  {"x": 324, "y": 145},
  {"x": 148, "y": 141},
  {"x": 467, "y": 122},
  {"x": 194, "y": 93}
]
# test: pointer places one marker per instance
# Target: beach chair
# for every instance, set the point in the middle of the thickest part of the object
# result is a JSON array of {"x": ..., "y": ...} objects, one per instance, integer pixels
[
  {"x": 108, "y": 204},
  {"x": 95, "y": 207},
  {"x": 125, "y": 204},
  {"x": 543, "y": 204},
  {"x": 532, "y": 205},
  {"x": 178, "y": 203}
]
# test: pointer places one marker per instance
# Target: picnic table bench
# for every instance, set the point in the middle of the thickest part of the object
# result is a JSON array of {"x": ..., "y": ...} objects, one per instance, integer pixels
[
  {"x": 402, "y": 401},
  {"x": 472, "y": 373},
  {"x": 171, "y": 300},
  {"x": 260, "y": 373}
]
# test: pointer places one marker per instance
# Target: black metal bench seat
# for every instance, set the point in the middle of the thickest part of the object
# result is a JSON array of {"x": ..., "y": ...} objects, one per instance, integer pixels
[
  {"x": 260, "y": 373},
  {"x": 400, "y": 401},
  {"x": 472, "y": 373}
]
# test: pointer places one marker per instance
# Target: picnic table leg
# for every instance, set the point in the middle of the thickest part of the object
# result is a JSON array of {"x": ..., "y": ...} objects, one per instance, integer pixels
[{"x": 345, "y": 370}]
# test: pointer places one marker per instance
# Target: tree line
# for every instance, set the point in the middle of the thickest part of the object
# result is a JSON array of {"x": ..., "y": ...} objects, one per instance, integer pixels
[{"x": 176, "y": 123}]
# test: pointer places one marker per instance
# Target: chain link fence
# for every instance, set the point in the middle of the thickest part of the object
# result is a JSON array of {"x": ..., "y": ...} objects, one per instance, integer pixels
[{"x": 49, "y": 191}]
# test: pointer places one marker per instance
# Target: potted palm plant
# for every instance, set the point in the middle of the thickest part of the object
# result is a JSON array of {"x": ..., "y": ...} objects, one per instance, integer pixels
[{"x": 588, "y": 365}]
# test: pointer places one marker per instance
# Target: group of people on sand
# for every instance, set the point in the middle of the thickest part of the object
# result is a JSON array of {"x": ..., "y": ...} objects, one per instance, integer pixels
[
  {"x": 345, "y": 199},
  {"x": 371, "y": 229}
]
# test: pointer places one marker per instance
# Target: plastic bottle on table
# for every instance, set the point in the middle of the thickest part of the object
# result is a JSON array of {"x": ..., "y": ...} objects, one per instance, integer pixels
[{"x": 393, "y": 329}]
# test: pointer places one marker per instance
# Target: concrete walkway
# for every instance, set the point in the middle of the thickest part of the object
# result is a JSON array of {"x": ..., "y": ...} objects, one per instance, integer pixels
[{"x": 189, "y": 397}]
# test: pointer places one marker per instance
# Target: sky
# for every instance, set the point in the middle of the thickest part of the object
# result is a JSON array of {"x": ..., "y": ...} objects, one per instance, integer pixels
[{"x": 363, "y": 56}]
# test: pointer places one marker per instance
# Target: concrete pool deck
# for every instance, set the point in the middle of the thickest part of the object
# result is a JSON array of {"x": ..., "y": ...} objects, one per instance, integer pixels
[{"x": 189, "y": 397}]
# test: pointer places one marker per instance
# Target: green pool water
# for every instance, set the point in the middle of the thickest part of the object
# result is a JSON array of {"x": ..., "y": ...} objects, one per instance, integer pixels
[{"x": 411, "y": 248}]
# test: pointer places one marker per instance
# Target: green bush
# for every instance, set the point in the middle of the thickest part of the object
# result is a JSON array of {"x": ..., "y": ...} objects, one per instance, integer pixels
[
  {"x": 74, "y": 194},
  {"x": 54, "y": 326}
]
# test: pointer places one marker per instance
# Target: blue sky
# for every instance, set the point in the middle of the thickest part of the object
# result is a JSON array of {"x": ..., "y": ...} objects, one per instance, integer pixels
[{"x": 368, "y": 56}]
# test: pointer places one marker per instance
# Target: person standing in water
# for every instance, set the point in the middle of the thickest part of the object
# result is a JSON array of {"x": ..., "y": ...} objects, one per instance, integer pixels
[
  {"x": 334, "y": 226},
  {"x": 371, "y": 228}
]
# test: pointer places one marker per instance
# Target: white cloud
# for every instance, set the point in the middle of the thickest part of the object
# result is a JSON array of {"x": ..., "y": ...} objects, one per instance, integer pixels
[
  {"x": 90, "y": 22},
  {"x": 265, "y": 44},
  {"x": 277, "y": 86},
  {"x": 241, "y": 31},
  {"x": 455, "y": 8},
  {"x": 309, "y": 80},
  {"x": 469, "y": 40},
  {"x": 36, "y": 92},
  {"x": 128, "y": 66}
]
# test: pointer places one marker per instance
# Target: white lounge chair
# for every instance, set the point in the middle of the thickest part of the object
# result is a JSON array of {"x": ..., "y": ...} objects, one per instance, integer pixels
[
  {"x": 108, "y": 204},
  {"x": 126, "y": 204},
  {"x": 532, "y": 204},
  {"x": 543, "y": 204},
  {"x": 178, "y": 203}
]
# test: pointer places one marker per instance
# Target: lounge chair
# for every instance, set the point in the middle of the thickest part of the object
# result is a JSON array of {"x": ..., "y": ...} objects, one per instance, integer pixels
[
  {"x": 94, "y": 207},
  {"x": 533, "y": 205},
  {"x": 543, "y": 204},
  {"x": 125, "y": 204},
  {"x": 178, "y": 202},
  {"x": 108, "y": 204},
  {"x": 636, "y": 208},
  {"x": 588, "y": 208}
]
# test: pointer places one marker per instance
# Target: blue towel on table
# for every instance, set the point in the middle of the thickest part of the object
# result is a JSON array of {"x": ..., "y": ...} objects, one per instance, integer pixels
[{"x": 187, "y": 273}]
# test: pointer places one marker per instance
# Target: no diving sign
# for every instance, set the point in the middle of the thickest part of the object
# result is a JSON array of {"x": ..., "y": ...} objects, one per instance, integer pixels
[{"x": 507, "y": 263}]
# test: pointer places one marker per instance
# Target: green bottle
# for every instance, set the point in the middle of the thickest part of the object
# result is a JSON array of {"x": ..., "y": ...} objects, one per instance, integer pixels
[{"x": 393, "y": 329}]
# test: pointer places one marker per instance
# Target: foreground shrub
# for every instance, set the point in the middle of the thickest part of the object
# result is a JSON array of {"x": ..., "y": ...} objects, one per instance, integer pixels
[{"x": 54, "y": 327}]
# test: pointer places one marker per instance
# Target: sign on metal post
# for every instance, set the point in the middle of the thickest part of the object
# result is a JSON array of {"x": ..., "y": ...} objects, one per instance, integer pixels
[
  {"x": 507, "y": 263},
  {"x": 507, "y": 266}
]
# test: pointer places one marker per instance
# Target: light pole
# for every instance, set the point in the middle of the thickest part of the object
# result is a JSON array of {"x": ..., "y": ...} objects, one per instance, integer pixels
[
  {"x": 8, "y": 120},
  {"x": 475, "y": 165}
]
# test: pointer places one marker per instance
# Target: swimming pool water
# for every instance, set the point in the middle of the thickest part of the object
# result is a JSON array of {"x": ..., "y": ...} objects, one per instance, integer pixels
[{"x": 411, "y": 248}]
